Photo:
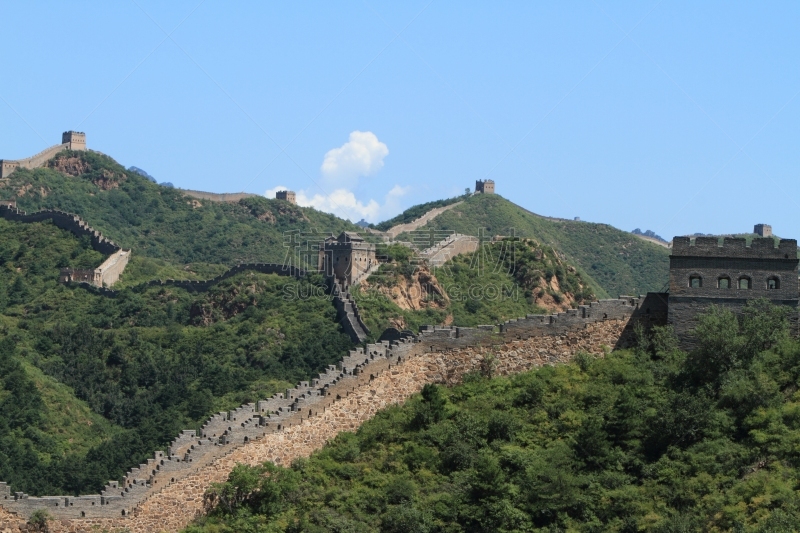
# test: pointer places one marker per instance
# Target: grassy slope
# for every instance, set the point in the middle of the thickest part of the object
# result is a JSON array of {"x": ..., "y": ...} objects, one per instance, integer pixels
[
  {"x": 618, "y": 261},
  {"x": 158, "y": 221}
]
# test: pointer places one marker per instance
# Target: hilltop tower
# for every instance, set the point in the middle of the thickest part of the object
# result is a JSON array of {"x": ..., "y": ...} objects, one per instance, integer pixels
[
  {"x": 484, "y": 187},
  {"x": 765, "y": 230},
  {"x": 703, "y": 272},
  {"x": 75, "y": 140},
  {"x": 347, "y": 258},
  {"x": 289, "y": 196},
  {"x": 70, "y": 140}
]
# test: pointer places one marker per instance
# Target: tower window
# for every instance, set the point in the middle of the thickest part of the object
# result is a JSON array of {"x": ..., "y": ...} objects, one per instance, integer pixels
[
  {"x": 724, "y": 283},
  {"x": 744, "y": 283},
  {"x": 695, "y": 282},
  {"x": 773, "y": 283}
]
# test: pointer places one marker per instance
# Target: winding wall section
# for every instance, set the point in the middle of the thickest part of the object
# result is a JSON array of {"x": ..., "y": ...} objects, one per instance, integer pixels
[{"x": 167, "y": 493}]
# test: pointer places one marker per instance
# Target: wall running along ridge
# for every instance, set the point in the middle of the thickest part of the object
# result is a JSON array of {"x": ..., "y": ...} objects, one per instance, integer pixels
[
  {"x": 394, "y": 231},
  {"x": 450, "y": 247},
  {"x": 166, "y": 493},
  {"x": 106, "y": 274},
  {"x": 70, "y": 140},
  {"x": 218, "y": 197}
]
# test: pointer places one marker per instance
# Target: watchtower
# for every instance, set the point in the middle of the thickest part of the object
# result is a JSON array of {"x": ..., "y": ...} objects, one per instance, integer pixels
[
  {"x": 75, "y": 139},
  {"x": 704, "y": 271},
  {"x": 7, "y": 167},
  {"x": 485, "y": 187},
  {"x": 765, "y": 230},
  {"x": 348, "y": 258},
  {"x": 289, "y": 196}
]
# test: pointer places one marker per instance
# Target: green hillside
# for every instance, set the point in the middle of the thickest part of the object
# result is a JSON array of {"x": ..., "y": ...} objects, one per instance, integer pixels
[
  {"x": 617, "y": 260},
  {"x": 92, "y": 385},
  {"x": 650, "y": 439},
  {"x": 159, "y": 222}
]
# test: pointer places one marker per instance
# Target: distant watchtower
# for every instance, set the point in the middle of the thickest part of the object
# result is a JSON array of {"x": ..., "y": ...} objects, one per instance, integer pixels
[
  {"x": 765, "y": 230},
  {"x": 703, "y": 272},
  {"x": 347, "y": 258},
  {"x": 485, "y": 187},
  {"x": 289, "y": 196},
  {"x": 70, "y": 140},
  {"x": 75, "y": 139}
]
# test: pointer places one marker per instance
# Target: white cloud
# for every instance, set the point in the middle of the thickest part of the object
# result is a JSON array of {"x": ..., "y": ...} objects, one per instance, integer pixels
[
  {"x": 344, "y": 204},
  {"x": 361, "y": 156},
  {"x": 341, "y": 168}
]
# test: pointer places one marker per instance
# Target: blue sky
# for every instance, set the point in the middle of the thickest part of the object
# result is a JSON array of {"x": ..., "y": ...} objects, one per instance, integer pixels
[{"x": 678, "y": 117}]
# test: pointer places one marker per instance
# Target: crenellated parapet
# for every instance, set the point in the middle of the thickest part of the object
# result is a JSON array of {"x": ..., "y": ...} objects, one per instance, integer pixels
[{"x": 734, "y": 247}]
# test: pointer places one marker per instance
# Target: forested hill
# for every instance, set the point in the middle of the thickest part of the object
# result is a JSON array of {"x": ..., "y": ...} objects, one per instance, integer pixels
[
  {"x": 90, "y": 385},
  {"x": 159, "y": 222},
  {"x": 619, "y": 262}
]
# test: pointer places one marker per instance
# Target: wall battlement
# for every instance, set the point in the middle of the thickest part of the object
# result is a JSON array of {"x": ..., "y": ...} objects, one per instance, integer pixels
[
  {"x": 760, "y": 247},
  {"x": 190, "y": 453}
]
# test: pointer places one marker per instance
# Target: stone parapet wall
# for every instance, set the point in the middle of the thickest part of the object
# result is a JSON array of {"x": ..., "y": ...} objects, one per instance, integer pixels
[{"x": 167, "y": 492}]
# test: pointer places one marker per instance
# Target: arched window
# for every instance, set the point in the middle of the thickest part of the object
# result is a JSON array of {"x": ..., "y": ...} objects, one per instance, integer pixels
[
  {"x": 724, "y": 282},
  {"x": 695, "y": 282},
  {"x": 773, "y": 283},
  {"x": 744, "y": 283}
]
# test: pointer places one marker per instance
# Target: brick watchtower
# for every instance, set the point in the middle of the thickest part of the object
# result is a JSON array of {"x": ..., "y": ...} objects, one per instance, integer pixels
[
  {"x": 347, "y": 258},
  {"x": 485, "y": 187},
  {"x": 703, "y": 272},
  {"x": 75, "y": 139},
  {"x": 289, "y": 196}
]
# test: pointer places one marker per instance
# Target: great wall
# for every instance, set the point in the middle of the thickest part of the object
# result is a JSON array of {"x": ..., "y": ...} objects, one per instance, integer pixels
[{"x": 166, "y": 493}]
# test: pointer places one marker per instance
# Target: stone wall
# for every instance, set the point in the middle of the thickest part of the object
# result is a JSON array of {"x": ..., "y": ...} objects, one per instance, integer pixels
[
  {"x": 450, "y": 247},
  {"x": 394, "y": 231},
  {"x": 65, "y": 221},
  {"x": 8, "y": 166},
  {"x": 166, "y": 493},
  {"x": 111, "y": 269},
  {"x": 107, "y": 273},
  {"x": 218, "y": 197}
]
